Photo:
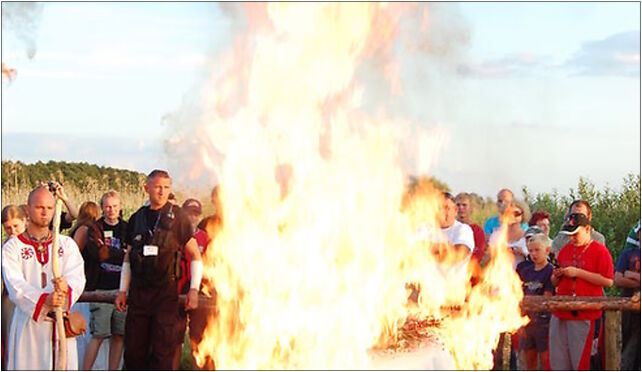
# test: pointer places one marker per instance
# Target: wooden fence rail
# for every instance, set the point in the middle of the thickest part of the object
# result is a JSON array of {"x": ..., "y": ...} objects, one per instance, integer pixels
[{"x": 613, "y": 307}]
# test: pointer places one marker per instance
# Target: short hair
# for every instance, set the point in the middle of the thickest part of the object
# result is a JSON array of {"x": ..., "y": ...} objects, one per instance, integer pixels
[
  {"x": 157, "y": 173},
  {"x": 11, "y": 211},
  {"x": 540, "y": 238},
  {"x": 448, "y": 196},
  {"x": 538, "y": 216},
  {"x": 507, "y": 190},
  {"x": 36, "y": 190},
  {"x": 463, "y": 195},
  {"x": 585, "y": 204},
  {"x": 109, "y": 194}
]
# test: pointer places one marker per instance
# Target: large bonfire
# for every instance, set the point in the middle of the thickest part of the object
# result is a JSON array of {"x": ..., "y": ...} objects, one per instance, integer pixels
[{"x": 320, "y": 247}]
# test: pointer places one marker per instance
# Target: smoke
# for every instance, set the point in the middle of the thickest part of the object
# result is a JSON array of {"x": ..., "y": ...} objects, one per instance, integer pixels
[
  {"x": 21, "y": 20},
  {"x": 407, "y": 73}
]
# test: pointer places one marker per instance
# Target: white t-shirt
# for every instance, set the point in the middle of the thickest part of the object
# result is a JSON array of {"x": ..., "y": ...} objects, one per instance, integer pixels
[{"x": 460, "y": 233}]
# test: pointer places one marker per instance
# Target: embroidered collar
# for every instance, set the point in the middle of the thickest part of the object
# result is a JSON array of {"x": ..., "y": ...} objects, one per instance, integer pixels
[{"x": 40, "y": 247}]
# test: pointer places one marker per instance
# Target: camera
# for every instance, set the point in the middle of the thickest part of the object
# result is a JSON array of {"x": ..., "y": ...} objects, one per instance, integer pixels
[{"x": 52, "y": 186}]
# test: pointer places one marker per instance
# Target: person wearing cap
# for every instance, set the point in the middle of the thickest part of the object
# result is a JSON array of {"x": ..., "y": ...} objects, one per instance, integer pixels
[
  {"x": 577, "y": 206},
  {"x": 586, "y": 268},
  {"x": 198, "y": 317},
  {"x": 535, "y": 274},
  {"x": 627, "y": 279}
]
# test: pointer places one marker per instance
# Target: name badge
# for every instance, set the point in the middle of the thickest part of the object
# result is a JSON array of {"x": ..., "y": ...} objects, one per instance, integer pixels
[
  {"x": 150, "y": 250},
  {"x": 109, "y": 234}
]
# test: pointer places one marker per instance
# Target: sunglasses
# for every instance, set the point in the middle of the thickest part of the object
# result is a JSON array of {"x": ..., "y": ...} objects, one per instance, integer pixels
[{"x": 517, "y": 213}]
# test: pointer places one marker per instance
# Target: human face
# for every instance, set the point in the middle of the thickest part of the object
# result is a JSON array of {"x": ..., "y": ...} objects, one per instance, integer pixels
[
  {"x": 580, "y": 208},
  {"x": 193, "y": 218},
  {"x": 14, "y": 226},
  {"x": 537, "y": 251},
  {"x": 545, "y": 225},
  {"x": 158, "y": 189},
  {"x": 449, "y": 213},
  {"x": 111, "y": 208},
  {"x": 581, "y": 237},
  {"x": 41, "y": 208},
  {"x": 504, "y": 198},
  {"x": 463, "y": 209}
]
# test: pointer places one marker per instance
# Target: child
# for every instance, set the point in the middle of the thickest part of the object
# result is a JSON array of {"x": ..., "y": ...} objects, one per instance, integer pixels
[
  {"x": 535, "y": 274},
  {"x": 14, "y": 222}
]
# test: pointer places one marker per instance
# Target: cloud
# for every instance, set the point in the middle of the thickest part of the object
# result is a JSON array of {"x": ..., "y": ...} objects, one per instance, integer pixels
[
  {"x": 511, "y": 65},
  {"x": 616, "y": 55}
]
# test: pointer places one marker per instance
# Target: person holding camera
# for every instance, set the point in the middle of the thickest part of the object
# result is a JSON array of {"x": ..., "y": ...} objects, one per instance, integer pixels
[
  {"x": 66, "y": 218},
  {"x": 28, "y": 276},
  {"x": 150, "y": 272}
]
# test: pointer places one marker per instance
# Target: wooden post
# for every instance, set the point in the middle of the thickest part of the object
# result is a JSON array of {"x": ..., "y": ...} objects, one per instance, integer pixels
[
  {"x": 613, "y": 339},
  {"x": 506, "y": 347}
]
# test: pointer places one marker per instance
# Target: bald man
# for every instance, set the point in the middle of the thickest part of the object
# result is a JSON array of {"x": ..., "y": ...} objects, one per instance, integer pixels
[{"x": 28, "y": 276}]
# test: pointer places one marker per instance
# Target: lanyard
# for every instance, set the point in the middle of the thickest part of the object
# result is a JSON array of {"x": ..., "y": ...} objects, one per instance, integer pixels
[{"x": 576, "y": 260}]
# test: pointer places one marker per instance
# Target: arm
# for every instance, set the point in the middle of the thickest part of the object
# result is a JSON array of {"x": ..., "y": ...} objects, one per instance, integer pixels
[
  {"x": 196, "y": 268},
  {"x": 80, "y": 237},
  {"x": 98, "y": 251},
  {"x": 125, "y": 280},
  {"x": 591, "y": 277},
  {"x": 622, "y": 281},
  {"x": 73, "y": 211},
  {"x": 633, "y": 275}
]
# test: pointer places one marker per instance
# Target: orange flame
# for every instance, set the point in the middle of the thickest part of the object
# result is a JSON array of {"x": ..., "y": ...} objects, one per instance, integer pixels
[{"x": 312, "y": 266}]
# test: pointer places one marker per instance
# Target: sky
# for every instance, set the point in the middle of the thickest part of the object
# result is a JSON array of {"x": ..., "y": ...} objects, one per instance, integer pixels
[{"x": 535, "y": 94}]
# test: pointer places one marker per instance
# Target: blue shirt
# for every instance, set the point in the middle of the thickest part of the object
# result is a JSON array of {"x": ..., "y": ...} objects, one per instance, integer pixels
[
  {"x": 536, "y": 282},
  {"x": 493, "y": 224},
  {"x": 629, "y": 260}
]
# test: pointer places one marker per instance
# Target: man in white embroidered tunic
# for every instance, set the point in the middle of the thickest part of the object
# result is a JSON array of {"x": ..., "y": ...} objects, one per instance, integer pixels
[{"x": 27, "y": 272}]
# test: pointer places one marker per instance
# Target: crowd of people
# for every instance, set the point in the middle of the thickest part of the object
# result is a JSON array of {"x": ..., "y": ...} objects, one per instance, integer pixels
[{"x": 156, "y": 255}]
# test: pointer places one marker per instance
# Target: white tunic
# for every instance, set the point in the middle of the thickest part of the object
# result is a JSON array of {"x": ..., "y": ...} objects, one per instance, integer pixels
[{"x": 30, "y": 334}]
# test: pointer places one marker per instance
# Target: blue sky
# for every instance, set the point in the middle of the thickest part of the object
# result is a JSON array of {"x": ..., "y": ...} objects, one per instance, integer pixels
[{"x": 534, "y": 94}]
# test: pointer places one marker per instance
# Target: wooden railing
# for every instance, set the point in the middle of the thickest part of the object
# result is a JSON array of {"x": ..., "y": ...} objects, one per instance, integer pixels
[{"x": 612, "y": 306}]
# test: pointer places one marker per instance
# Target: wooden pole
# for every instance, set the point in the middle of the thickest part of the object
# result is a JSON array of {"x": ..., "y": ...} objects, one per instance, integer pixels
[
  {"x": 613, "y": 339},
  {"x": 61, "y": 364}
]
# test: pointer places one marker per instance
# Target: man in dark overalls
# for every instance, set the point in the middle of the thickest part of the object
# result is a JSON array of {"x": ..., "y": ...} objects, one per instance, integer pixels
[{"x": 154, "y": 235}]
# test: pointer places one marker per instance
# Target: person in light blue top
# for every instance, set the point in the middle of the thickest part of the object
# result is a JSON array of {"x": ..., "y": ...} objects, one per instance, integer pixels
[{"x": 504, "y": 199}]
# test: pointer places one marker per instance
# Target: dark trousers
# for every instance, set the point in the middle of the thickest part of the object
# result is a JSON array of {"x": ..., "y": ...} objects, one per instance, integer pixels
[
  {"x": 150, "y": 327},
  {"x": 630, "y": 341}
]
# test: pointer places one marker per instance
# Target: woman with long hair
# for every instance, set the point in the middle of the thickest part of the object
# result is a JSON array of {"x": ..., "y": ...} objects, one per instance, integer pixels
[{"x": 88, "y": 214}]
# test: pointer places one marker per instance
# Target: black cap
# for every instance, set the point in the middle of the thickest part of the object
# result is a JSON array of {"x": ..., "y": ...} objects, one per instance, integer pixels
[{"x": 573, "y": 223}]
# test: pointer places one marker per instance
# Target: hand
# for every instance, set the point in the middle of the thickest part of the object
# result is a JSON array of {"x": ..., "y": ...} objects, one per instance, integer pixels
[
  {"x": 632, "y": 275},
  {"x": 191, "y": 302},
  {"x": 121, "y": 302},
  {"x": 55, "y": 299},
  {"x": 557, "y": 273},
  {"x": 60, "y": 285},
  {"x": 570, "y": 271},
  {"x": 60, "y": 192}
]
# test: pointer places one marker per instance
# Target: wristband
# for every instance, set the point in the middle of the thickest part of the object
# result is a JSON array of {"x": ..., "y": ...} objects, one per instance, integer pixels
[
  {"x": 125, "y": 277},
  {"x": 196, "y": 271}
]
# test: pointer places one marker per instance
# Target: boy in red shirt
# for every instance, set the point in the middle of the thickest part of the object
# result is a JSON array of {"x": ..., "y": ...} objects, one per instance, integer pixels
[{"x": 586, "y": 267}]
